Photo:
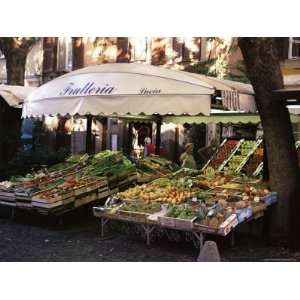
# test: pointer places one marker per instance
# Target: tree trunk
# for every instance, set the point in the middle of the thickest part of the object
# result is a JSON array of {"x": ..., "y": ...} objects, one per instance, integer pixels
[
  {"x": 15, "y": 51},
  {"x": 1, "y": 130},
  {"x": 15, "y": 66},
  {"x": 78, "y": 53},
  {"x": 264, "y": 71}
]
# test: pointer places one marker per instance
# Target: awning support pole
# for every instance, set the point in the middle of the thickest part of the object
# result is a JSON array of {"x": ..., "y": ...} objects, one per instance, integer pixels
[
  {"x": 266, "y": 166},
  {"x": 157, "y": 139},
  {"x": 88, "y": 142}
]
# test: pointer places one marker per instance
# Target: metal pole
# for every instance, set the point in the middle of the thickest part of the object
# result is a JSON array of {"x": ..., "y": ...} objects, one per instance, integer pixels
[
  {"x": 157, "y": 141},
  {"x": 266, "y": 166},
  {"x": 88, "y": 142}
]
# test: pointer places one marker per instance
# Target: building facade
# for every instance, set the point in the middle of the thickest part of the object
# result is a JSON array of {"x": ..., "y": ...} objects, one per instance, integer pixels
[{"x": 221, "y": 57}]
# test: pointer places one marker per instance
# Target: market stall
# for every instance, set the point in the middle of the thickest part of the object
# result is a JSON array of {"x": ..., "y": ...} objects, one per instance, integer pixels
[
  {"x": 120, "y": 90},
  {"x": 180, "y": 200}
]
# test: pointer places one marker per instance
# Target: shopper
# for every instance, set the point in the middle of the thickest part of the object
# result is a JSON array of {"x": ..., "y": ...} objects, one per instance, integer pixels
[
  {"x": 205, "y": 153},
  {"x": 149, "y": 148},
  {"x": 187, "y": 159}
]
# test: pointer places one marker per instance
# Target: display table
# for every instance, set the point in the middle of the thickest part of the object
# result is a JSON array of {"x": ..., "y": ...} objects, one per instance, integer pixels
[{"x": 198, "y": 231}]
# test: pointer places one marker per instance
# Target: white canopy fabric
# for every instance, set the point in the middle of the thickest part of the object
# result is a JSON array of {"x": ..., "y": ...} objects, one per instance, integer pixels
[
  {"x": 294, "y": 109},
  {"x": 236, "y": 95},
  {"x": 121, "y": 88},
  {"x": 14, "y": 95}
]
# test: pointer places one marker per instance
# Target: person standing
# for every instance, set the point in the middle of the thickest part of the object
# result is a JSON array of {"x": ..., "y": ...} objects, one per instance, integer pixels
[
  {"x": 149, "y": 148},
  {"x": 187, "y": 159},
  {"x": 206, "y": 153}
]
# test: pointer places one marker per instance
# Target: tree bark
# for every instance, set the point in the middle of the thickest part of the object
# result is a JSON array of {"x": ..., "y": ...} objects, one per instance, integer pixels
[
  {"x": 263, "y": 68},
  {"x": 15, "y": 51},
  {"x": 78, "y": 53}
]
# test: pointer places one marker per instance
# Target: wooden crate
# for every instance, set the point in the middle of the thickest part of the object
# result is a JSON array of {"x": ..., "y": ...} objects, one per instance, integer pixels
[
  {"x": 184, "y": 224},
  {"x": 204, "y": 228},
  {"x": 80, "y": 191},
  {"x": 167, "y": 221},
  {"x": 46, "y": 200},
  {"x": 47, "y": 205}
]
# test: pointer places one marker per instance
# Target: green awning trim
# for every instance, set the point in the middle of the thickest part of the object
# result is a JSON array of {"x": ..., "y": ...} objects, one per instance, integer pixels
[{"x": 221, "y": 118}]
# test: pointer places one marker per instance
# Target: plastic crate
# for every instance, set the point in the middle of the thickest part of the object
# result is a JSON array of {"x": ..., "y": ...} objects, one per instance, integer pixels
[
  {"x": 270, "y": 199},
  {"x": 243, "y": 214}
]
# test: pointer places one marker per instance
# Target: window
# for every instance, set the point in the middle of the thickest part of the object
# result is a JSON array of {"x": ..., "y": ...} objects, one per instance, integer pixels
[
  {"x": 294, "y": 48},
  {"x": 140, "y": 49},
  {"x": 64, "y": 54},
  {"x": 105, "y": 50}
]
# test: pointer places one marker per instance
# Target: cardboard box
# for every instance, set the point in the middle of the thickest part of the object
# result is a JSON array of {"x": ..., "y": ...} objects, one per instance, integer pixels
[{"x": 230, "y": 223}]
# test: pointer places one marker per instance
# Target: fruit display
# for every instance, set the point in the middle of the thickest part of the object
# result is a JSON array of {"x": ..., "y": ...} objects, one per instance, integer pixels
[
  {"x": 196, "y": 202},
  {"x": 254, "y": 161},
  {"x": 206, "y": 182},
  {"x": 162, "y": 190},
  {"x": 239, "y": 156},
  {"x": 223, "y": 153}
]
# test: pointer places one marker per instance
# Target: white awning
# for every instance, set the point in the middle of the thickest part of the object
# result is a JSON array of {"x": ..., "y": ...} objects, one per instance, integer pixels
[
  {"x": 121, "y": 88},
  {"x": 14, "y": 95},
  {"x": 235, "y": 95}
]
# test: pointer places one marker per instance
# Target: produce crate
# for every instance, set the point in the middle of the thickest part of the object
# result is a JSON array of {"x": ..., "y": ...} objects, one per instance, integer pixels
[
  {"x": 240, "y": 167},
  {"x": 259, "y": 207},
  {"x": 49, "y": 200},
  {"x": 101, "y": 211},
  {"x": 230, "y": 156},
  {"x": 47, "y": 205},
  {"x": 68, "y": 194},
  {"x": 68, "y": 200},
  {"x": 80, "y": 191},
  {"x": 208, "y": 162},
  {"x": 103, "y": 194},
  {"x": 184, "y": 224},
  {"x": 243, "y": 214},
  {"x": 230, "y": 223},
  {"x": 270, "y": 199},
  {"x": 167, "y": 221},
  {"x": 114, "y": 191},
  {"x": 7, "y": 203},
  {"x": 204, "y": 228},
  {"x": 96, "y": 185},
  {"x": 21, "y": 204},
  {"x": 258, "y": 169},
  {"x": 6, "y": 195},
  {"x": 139, "y": 216}
]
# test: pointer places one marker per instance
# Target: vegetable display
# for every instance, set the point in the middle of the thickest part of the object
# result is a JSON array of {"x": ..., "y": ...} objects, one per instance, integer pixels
[
  {"x": 223, "y": 153},
  {"x": 254, "y": 161},
  {"x": 77, "y": 181},
  {"x": 152, "y": 167},
  {"x": 239, "y": 156}
]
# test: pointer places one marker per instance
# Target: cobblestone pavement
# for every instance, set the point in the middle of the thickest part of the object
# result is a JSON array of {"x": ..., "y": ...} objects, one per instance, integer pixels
[{"x": 28, "y": 238}]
